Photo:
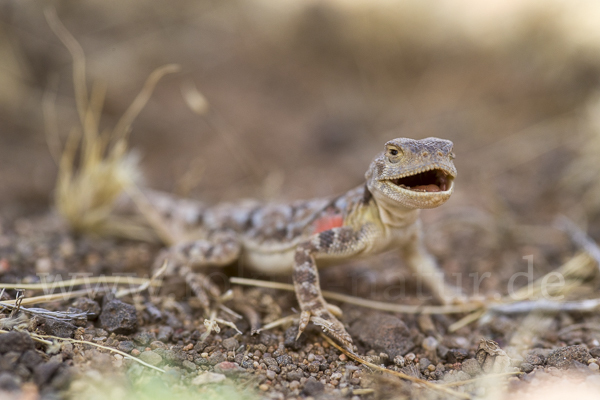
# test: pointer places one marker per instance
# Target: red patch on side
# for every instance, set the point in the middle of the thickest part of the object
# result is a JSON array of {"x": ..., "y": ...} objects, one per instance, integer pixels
[{"x": 328, "y": 222}]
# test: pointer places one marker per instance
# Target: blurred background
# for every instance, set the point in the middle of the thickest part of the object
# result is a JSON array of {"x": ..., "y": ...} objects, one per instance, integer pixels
[{"x": 302, "y": 94}]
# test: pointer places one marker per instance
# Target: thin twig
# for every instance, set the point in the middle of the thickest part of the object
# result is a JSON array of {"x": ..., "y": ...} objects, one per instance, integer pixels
[{"x": 413, "y": 379}]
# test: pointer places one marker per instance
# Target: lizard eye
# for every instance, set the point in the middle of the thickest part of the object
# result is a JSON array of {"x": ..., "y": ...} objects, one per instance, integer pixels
[
  {"x": 451, "y": 155},
  {"x": 393, "y": 154}
]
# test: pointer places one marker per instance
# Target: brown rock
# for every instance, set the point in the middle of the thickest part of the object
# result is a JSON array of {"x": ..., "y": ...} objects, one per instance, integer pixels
[
  {"x": 227, "y": 368},
  {"x": 566, "y": 357},
  {"x": 383, "y": 333}
]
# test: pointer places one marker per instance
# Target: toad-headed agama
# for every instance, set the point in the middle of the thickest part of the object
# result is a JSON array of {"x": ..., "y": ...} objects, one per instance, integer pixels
[{"x": 295, "y": 238}]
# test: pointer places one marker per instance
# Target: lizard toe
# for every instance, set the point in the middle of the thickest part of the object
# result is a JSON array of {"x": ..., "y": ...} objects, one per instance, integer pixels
[
  {"x": 333, "y": 328},
  {"x": 335, "y": 310}
]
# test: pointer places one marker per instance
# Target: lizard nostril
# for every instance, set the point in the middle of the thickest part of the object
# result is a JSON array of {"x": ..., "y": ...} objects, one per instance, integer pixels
[
  {"x": 425, "y": 154},
  {"x": 440, "y": 153}
]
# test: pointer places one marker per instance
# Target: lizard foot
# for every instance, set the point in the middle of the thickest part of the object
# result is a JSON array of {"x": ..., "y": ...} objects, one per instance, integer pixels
[
  {"x": 330, "y": 325},
  {"x": 200, "y": 285}
]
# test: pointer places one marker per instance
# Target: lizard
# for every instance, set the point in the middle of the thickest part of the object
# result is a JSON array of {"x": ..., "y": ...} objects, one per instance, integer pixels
[{"x": 275, "y": 238}]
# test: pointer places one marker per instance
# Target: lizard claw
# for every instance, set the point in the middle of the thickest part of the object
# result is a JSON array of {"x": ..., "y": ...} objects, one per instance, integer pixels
[
  {"x": 330, "y": 325},
  {"x": 304, "y": 320}
]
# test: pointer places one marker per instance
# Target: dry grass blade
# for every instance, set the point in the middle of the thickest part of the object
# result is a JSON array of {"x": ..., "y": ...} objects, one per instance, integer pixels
[
  {"x": 413, "y": 379},
  {"x": 279, "y": 322},
  {"x": 122, "y": 128},
  {"x": 78, "y": 60},
  {"x": 466, "y": 320},
  {"x": 117, "y": 280},
  {"x": 53, "y": 297},
  {"x": 153, "y": 281},
  {"x": 376, "y": 305},
  {"x": 533, "y": 297}
]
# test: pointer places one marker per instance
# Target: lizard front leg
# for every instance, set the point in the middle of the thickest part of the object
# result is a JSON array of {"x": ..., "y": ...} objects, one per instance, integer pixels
[
  {"x": 427, "y": 270},
  {"x": 334, "y": 243},
  {"x": 220, "y": 249}
]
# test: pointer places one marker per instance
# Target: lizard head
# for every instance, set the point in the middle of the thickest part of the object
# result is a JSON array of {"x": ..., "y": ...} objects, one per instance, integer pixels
[{"x": 413, "y": 173}]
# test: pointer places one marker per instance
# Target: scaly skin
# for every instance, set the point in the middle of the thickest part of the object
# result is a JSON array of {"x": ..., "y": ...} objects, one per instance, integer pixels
[{"x": 380, "y": 215}]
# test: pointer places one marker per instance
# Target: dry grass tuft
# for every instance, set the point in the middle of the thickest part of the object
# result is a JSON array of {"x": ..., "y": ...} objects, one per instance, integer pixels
[{"x": 87, "y": 194}]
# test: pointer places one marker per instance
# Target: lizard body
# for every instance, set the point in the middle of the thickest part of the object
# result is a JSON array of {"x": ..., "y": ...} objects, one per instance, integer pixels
[{"x": 380, "y": 215}]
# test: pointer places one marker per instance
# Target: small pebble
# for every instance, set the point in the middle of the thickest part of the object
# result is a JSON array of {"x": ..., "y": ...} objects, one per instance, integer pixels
[
  {"x": 430, "y": 343},
  {"x": 157, "y": 344},
  {"x": 294, "y": 385},
  {"x": 190, "y": 366},
  {"x": 231, "y": 344},
  {"x": 126, "y": 346},
  {"x": 399, "y": 361},
  {"x": 208, "y": 377},
  {"x": 594, "y": 367},
  {"x": 424, "y": 363},
  {"x": 311, "y": 357},
  {"x": 143, "y": 338},
  {"x": 263, "y": 387},
  {"x": 342, "y": 357},
  {"x": 164, "y": 333},
  {"x": 135, "y": 352},
  {"x": 227, "y": 367},
  {"x": 410, "y": 357},
  {"x": 43, "y": 265},
  {"x": 271, "y": 375},
  {"x": 150, "y": 357}
]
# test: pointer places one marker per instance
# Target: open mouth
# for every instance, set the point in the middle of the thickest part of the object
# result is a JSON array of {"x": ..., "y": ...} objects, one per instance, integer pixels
[{"x": 435, "y": 180}]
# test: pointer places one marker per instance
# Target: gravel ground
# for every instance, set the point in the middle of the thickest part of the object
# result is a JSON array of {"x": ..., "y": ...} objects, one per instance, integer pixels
[{"x": 166, "y": 332}]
